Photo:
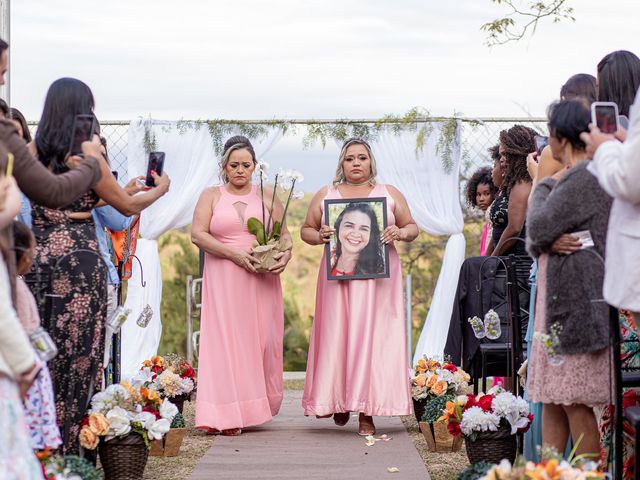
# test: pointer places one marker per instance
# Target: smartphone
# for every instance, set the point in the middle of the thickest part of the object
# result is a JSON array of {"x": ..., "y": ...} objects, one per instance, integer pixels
[
  {"x": 605, "y": 116},
  {"x": 156, "y": 162},
  {"x": 541, "y": 142},
  {"x": 83, "y": 128},
  {"x": 115, "y": 174}
]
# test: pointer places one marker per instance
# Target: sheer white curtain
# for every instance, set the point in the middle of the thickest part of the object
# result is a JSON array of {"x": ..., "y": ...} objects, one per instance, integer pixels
[
  {"x": 192, "y": 164},
  {"x": 432, "y": 192}
]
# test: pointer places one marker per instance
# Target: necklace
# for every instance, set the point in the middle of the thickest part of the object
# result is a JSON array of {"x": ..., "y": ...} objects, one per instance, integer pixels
[{"x": 356, "y": 184}]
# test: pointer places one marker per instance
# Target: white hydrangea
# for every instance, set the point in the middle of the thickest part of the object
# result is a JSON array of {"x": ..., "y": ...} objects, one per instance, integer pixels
[
  {"x": 477, "y": 420},
  {"x": 143, "y": 376},
  {"x": 513, "y": 409},
  {"x": 445, "y": 375}
]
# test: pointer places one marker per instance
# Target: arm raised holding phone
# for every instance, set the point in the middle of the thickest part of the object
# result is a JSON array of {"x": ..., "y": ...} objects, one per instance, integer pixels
[{"x": 111, "y": 192}]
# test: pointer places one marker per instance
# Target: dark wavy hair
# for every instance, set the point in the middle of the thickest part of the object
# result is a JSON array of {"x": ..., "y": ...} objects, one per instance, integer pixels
[
  {"x": 370, "y": 260},
  {"x": 494, "y": 152},
  {"x": 568, "y": 119},
  {"x": 18, "y": 117},
  {"x": 619, "y": 79},
  {"x": 66, "y": 98},
  {"x": 482, "y": 176},
  {"x": 516, "y": 142},
  {"x": 580, "y": 85}
]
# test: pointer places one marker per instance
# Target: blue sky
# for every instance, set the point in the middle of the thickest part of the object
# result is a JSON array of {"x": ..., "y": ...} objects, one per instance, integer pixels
[{"x": 249, "y": 59}]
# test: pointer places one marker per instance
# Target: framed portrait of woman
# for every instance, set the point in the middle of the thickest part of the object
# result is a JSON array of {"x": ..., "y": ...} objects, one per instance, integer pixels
[{"x": 356, "y": 251}]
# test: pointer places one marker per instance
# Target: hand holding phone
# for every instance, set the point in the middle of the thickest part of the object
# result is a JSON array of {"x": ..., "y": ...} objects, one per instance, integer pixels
[
  {"x": 83, "y": 128},
  {"x": 605, "y": 116},
  {"x": 156, "y": 165},
  {"x": 541, "y": 142}
]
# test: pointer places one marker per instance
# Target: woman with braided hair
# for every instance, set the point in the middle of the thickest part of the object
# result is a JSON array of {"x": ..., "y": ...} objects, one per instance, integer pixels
[{"x": 509, "y": 209}]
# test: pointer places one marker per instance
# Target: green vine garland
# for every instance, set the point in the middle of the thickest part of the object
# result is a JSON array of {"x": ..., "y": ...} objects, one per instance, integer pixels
[{"x": 416, "y": 120}]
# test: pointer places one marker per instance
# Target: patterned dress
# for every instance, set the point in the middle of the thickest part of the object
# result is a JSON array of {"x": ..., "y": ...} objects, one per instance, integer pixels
[
  {"x": 69, "y": 280},
  {"x": 630, "y": 353}
]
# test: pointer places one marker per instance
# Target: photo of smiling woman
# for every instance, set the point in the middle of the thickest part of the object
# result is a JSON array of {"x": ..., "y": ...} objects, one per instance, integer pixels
[{"x": 356, "y": 251}]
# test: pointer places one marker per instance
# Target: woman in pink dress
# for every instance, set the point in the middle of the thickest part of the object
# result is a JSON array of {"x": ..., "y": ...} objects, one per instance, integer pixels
[
  {"x": 357, "y": 352},
  {"x": 242, "y": 322}
]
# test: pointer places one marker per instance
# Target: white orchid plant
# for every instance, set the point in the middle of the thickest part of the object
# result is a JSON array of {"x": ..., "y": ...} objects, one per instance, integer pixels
[
  {"x": 269, "y": 228},
  {"x": 122, "y": 409}
]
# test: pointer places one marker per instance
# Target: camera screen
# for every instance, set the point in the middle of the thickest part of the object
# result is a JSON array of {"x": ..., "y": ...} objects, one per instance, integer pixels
[
  {"x": 606, "y": 119},
  {"x": 82, "y": 131}
]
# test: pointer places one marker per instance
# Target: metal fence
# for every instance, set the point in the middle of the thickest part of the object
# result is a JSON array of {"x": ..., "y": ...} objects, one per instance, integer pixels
[{"x": 478, "y": 134}]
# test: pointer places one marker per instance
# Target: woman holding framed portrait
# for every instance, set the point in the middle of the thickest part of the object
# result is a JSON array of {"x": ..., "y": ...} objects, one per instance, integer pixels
[{"x": 357, "y": 352}]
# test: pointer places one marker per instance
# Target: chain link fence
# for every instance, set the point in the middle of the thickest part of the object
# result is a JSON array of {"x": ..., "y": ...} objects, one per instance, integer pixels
[{"x": 478, "y": 135}]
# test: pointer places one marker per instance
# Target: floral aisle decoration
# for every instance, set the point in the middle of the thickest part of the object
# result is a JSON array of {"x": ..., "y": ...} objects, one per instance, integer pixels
[
  {"x": 488, "y": 423},
  {"x": 122, "y": 421},
  {"x": 269, "y": 242},
  {"x": 551, "y": 467},
  {"x": 171, "y": 377},
  {"x": 432, "y": 386},
  {"x": 68, "y": 467}
]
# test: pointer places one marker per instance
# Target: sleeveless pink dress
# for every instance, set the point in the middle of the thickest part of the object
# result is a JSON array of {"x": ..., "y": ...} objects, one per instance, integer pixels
[
  {"x": 241, "y": 328},
  {"x": 357, "y": 352}
]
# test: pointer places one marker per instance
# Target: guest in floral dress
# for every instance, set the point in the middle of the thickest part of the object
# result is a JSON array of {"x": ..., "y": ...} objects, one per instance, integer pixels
[
  {"x": 40, "y": 409},
  {"x": 69, "y": 277}
]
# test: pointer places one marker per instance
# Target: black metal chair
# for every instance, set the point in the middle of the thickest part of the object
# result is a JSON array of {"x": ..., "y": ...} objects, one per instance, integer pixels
[{"x": 510, "y": 299}]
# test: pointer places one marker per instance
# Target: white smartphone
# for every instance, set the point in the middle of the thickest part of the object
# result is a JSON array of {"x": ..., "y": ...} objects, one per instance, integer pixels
[
  {"x": 605, "y": 116},
  {"x": 585, "y": 238}
]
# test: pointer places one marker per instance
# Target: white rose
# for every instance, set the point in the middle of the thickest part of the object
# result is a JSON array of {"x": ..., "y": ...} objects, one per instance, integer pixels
[
  {"x": 143, "y": 376},
  {"x": 117, "y": 391},
  {"x": 119, "y": 422},
  {"x": 168, "y": 410},
  {"x": 158, "y": 429},
  {"x": 146, "y": 419}
]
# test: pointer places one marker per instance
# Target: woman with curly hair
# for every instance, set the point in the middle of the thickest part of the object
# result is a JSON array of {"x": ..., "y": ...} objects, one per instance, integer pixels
[
  {"x": 480, "y": 193},
  {"x": 509, "y": 209}
]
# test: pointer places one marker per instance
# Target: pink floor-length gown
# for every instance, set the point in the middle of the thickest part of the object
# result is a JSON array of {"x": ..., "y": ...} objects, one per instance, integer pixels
[
  {"x": 357, "y": 352},
  {"x": 241, "y": 328}
]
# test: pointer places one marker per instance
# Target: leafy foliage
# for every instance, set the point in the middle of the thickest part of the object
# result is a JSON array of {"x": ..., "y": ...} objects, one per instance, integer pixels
[
  {"x": 507, "y": 29},
  {"x": 433, "y": 408},
  {"x": 417, "y": 120},
  {"x": 178, "y": 421},
  {"x": 475, "y": 471}
]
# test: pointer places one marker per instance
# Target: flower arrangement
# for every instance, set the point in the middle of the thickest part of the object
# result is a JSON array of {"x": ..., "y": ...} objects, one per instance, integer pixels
[
  {"x": 268, "y": 231},
  {"x": 489, "y": 328},
  {"x": 68, "y": 467},
  {"x": 469, "y": 415},
  {"x": 122, "y": 409},
  {"x": 169, "y": 376},
  {"x": 435, "y": 383},
  {"x": 553, "y": 466},
  {"x": 551, "y": 343}
]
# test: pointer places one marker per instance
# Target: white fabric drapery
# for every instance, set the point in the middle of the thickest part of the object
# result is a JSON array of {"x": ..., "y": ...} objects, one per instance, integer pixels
[
  {"x": 192, "y": 165},
  {"x": 432, "y": 193}
]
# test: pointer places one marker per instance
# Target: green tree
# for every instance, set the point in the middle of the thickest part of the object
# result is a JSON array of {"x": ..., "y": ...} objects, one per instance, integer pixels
[
  {"x": 182, "y": 260},
  {"x": 523, "y": 17}
]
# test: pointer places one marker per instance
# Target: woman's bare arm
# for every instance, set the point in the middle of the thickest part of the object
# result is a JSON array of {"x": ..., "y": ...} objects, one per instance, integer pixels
[{"x": 310, "y": 231}]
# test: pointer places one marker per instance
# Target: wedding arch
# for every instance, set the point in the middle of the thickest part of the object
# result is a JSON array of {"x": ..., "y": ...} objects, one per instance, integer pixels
[{"x": 418, "y": 153}]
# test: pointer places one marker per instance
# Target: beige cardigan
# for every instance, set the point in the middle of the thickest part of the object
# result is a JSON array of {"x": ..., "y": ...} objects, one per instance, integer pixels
[{"x": 16, "y": 353}]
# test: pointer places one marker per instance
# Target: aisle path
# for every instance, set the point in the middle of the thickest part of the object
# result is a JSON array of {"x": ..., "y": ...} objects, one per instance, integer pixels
[{"x": 293, "y": 446}]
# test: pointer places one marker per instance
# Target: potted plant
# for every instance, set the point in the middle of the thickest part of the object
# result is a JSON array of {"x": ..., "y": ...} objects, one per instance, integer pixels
[
  {"x": 432, "y": 386},
  {"x": 122, "y": 421},
  {"x": 488, "y": 424},
  {"x": 268, "y": 242},
  {"x": 171, "y": 377},
  {"x": 170, "y": 444}
]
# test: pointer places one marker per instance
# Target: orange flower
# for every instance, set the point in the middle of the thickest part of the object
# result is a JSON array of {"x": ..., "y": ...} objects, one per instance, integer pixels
[
  {"x": 421, "y": 367},
  {"x": 147, "y": 363},
  {"x": 440, "y": 388},
  {"x": 450, "y": 408},
  {"x": 432, "y": 381},
  {"x": 421, "y": 380},
  {"x": 432, "y": 365},
  {"x": 88, "y": 439},
  {"x": 153, "y": 396},
  {"x": 144, "y": 391},
  {"x": 551, "y": 467},
  {"x": 158, "y": 361},
  {"x": 98, "y": 424},
  {"x": 43, "y": 454}
]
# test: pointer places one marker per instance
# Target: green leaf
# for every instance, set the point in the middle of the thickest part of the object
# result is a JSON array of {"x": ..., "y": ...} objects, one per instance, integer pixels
[
  {"x": 277, "y": 230},
  {"x": 256, "y": 228}
]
